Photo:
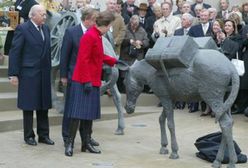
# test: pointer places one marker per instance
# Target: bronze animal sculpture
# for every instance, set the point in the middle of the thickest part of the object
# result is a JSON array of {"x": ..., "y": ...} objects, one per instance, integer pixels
[{"x": 210, "y": 76}]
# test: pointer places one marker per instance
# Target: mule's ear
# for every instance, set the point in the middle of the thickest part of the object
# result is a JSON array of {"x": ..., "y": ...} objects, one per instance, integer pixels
[{"x": 122, "y": 65}]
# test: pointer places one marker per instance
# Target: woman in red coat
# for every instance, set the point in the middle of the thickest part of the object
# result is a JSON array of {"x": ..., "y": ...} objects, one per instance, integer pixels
[{"x": 86, "y": 81}]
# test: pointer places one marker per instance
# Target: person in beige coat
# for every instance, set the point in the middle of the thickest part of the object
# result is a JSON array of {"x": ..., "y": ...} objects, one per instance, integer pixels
[{"x": 118, "y": 26}]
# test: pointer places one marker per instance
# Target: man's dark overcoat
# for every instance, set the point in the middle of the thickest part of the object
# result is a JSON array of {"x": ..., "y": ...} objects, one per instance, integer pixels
[{"x": 30, "y": 61}]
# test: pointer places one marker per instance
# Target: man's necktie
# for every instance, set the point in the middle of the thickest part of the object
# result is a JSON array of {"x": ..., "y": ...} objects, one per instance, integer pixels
[
  {"x": 205, "y": 28},
  {"x": 142, "y": 20},
  {"x": 41, "y": 33},
  {"x": 185, "y": 31},
  {"x": 225, "y": 15}
]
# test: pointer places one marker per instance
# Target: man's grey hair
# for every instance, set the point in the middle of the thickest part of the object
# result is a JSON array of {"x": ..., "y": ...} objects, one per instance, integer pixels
[
  {"x": 34, "y": 10},
  {"x": 189, "y": 16},
  {"x": 212, "y": 10}
]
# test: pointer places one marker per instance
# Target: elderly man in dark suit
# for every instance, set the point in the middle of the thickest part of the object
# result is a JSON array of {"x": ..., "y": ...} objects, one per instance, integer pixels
[
  {"x": 69, "y": 51},
  {"x": 202, "y": 29},
  {"x": 29, "y": 69},
  {"x": 186, "y": 22}
]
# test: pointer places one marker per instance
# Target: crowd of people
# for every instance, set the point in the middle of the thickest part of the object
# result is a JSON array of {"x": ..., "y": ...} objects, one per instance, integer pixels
[
  {"x": 132, "y": 30},
  {"x": 145, "y": 23}
]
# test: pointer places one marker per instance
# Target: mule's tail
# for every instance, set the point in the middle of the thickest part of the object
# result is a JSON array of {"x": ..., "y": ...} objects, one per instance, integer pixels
[{"x": 231, "y": 97}]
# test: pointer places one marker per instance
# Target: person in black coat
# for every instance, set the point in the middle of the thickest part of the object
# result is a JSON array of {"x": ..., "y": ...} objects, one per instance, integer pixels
[
  {"x": 231, "y": 45},
  {"x": 150, "y": 22},
  {"x": 69, "y": 51},
  {"x": 30, "y": 70},
  {"x": 23, "y": 7},
  {"x": 150, "y": 9},
  {"x": 244, "y": 78},
  {"x": 204, "y": 5},
  {"x": 129, "y": 8}
]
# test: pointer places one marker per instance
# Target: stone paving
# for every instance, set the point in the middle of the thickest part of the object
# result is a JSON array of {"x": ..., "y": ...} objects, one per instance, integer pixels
[{"x": 138, "y": 148}]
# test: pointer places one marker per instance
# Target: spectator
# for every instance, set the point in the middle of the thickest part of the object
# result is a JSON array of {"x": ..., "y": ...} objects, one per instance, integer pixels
[
  {"x": 237, "y": 18},
  {"x": 150, "y": 11},
  {"x": 125, "y": 16},
  {"x": 217, "y": 28},
  {"x": 129, "y": 8},
  {"x": 243, "y": 94},
  {"x": 142, "y": 13},
  {"x": 245, "y": 12},
  {"x": 212, "y": 14},
  {"x": 187, "y": 20},
  {"x": 23, "y": 7},
  {"x": 118, "y": 26},
  {"x": 151, "y": 20},
  {"x": 198, "y": 8},
  {"x": 224, "y": 12},
  {"x": 230, "y": 40},
  {"x": 135, "y": 37},
  {"x": 202, "y": 29},
  {"x": 236, "y": 9},
  {"x": 166, "y": 25},
  {"x": 179, "y": 4},
  {"x": 201, "y": 3}
]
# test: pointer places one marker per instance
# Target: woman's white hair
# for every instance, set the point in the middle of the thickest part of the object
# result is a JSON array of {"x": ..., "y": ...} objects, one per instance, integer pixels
[{"x": 134, "y": 19}]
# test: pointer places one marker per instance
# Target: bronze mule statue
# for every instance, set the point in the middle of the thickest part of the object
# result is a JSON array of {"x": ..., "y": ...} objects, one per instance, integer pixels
[{"x": 207, "y": 75}]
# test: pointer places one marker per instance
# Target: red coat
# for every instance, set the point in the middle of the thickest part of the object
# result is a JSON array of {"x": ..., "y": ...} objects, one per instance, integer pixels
[{"x": 90, "y": 58}]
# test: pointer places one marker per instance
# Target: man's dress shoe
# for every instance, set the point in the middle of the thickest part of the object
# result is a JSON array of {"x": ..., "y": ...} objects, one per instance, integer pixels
[
  {"x": 94, "y": 142},
  {"x": 46, "y": 140},
  {"x": 31, "y": 141}
]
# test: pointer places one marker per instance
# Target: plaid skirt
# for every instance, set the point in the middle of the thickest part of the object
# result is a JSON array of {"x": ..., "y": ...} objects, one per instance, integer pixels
[{"x": 83, "y": 106}]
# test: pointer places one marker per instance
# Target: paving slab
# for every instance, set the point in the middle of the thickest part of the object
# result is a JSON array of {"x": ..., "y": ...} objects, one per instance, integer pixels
[{"x": 138, "y": 148}]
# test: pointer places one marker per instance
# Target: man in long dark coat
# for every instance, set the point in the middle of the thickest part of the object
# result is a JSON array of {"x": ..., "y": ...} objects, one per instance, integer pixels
[{"x": 29, "y": 69}]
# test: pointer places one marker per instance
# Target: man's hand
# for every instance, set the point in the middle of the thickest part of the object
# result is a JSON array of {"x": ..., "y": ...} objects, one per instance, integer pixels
[
  {"x": 14, "y": 80},
  {"x": 64, "y": 81},
  {"x": 122, "y": 65},
  {"x": 88, "y": 87}
]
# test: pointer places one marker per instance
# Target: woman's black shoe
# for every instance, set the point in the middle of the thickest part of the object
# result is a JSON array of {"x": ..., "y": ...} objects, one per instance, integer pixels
[{"x": 69, "y": 149}]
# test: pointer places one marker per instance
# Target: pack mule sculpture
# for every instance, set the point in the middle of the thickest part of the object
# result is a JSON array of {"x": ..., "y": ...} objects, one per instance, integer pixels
[{"x": 208, "y": 76}]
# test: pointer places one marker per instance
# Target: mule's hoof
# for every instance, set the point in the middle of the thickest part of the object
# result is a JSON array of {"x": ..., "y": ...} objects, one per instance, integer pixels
[
  {"x": 231, "y": 166},
  {"x": 216, "y": 164},
  {"x": 174, "y": 156},
  {"x": 164, "y": 151},
  {"x": 119, "y": 131}
]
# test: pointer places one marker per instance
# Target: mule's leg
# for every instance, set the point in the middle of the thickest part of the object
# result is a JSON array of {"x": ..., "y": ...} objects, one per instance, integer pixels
[
  {"x": 226, "y": 124},
  {"x": 227, "y": 132},
  {"x": 215, "y": 104},
  {"x": 56, "y": 102},
  {"x": 164, "y": 141},
  {"x": 171, "y": 126},
  {"x": 117, "y": 101},
  {"x": 220, "y": 154}
]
